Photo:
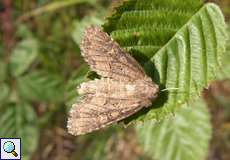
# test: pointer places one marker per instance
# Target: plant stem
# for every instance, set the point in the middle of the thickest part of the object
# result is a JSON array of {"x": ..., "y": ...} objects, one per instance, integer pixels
[
  {"x": 7, "y": 26},
  {"x": 51, "y": 7}
]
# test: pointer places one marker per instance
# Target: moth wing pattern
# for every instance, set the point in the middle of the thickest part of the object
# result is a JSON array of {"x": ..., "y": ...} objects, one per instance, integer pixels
[
  {"x": 107, "y": 58},
  {"x": 122, "y": 91},
  {"x": 111, "y": 88},
  {"x": 94, "y": 113}
]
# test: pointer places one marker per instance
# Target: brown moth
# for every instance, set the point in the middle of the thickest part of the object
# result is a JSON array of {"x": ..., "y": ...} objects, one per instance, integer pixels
[{"x": 122, "y": 91}]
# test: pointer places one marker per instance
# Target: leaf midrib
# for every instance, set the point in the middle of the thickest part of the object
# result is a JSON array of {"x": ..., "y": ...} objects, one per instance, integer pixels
[{"x": 182, "y": 28}]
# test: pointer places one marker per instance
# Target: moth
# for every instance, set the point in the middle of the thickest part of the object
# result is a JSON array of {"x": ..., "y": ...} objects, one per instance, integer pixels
[{"x": 122, "y": 91}]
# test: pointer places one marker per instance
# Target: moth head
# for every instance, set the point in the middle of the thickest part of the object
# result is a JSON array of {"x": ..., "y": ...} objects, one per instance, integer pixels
[{"x": 151, "y": 89}]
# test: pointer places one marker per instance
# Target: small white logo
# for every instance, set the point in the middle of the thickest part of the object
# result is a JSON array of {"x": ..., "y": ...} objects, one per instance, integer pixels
[{"x": 10, "y": 148}]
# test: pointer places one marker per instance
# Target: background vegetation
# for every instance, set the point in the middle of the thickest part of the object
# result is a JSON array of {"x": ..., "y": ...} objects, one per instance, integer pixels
[{"x": 40, "y": 67}]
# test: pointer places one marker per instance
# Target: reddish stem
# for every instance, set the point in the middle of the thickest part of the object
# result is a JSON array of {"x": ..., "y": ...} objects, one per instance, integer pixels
[{"x": 7, "y": 27}]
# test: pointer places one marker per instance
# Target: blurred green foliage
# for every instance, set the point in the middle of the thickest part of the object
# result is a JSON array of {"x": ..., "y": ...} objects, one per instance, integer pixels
[{"x": 39, "y": 76}]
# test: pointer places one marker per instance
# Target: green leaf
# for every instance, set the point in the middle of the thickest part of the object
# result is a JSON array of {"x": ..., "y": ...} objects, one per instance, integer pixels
[
  {"x": 179, "y": 43},
  {"x": 225, "y": 72},
  {"x": 23, "y": 31},
  {"x": 41, "y": 86},
  {"x": 3, "y": 71},
  {"x": 97, "y": 147},
  {"x": 4, "y": 94},
  {"x": 23, "y": 56},
  {"x": 71, "y": 87},
  {"x": 1, "y": 50},
  {"x": 19, "y": 120},
  {"x": 79, "y": 27},
  {"x": 185, "y": 136}
]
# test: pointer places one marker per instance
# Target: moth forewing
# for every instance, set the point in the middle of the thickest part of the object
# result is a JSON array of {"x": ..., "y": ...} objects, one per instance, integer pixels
[{"x": 122, "y": 91}]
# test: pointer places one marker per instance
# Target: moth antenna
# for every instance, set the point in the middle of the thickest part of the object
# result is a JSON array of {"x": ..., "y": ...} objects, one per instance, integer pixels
[{"x": 168, "y": 89}]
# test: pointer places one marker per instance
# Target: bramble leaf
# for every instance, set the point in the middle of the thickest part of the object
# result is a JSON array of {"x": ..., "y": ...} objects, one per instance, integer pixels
[
  {"x": 185, "y": 136},
  {"x": 19, "y": 120},
  {"x": 23, "y": 55},
  {"x": 179, "y": 43},
  {"x": 41, "y": 85}
]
